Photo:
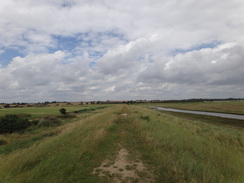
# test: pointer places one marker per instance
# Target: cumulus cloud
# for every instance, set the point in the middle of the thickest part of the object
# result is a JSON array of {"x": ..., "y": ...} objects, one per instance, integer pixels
[
  {"x": 99, "y": 50},
  {"x": 208, "y": 69}
]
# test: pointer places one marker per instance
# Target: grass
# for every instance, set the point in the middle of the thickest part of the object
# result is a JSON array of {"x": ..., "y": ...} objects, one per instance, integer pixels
[
  {"x": 184, "y": 151},
  {"x": 40, "y": 112},
  {"x": 67, "y": 157},
  {"x": 19, "y": 143},
  {"x": 232, "y": 107},
  {"x": 40, "y": 130},
  {"x": 173, "y": 148},
  {"x": 227, "y": 122}
]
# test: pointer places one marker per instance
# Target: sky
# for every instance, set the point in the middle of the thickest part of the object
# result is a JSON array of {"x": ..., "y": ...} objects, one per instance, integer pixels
[{"x": 89, "y": 50}]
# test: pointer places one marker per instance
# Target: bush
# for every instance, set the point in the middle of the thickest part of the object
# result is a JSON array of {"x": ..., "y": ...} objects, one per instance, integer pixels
[
  {"x": 3, "y": 142},
  {"x": 35, "y": 122},
  {"x": 12, "y": 122},
  {"x": 62, "y": 111},
  {"x": 67, "y": 116},
  {"x": 145, "y": 118},
  {"x": 49, "y": 122}
]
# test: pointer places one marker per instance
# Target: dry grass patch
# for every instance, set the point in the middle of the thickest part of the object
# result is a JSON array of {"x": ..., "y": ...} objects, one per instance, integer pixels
[{"x": 124, "y": 170}]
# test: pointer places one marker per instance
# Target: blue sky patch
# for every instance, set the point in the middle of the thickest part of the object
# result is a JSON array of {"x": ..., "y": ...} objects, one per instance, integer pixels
[
  {"x": 8, "y": 54},
  {"x": 91, "y": 64},
  {"x": 66, "y": 43},
  {"x": 95, "y": 54},
  {"x": 148, "y": 58},
  {"x": 67, "y": 4},
  {"x": 76, "y": 44},
  {"x": 197, "y": 47}
]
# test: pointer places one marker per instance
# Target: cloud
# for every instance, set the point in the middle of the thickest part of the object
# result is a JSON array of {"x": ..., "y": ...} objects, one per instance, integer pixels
[
  {"x": 99, "y": 50},
  {"x": 208, "y": 68}
]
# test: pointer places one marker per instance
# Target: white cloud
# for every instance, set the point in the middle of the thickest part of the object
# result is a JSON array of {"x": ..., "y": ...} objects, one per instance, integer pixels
[
  {"x": 196, "y": 69},
  {"x": 129, "y": 46}
]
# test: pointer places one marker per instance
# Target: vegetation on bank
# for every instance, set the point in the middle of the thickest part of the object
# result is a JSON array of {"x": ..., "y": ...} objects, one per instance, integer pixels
[
  {"x": 218, "y": 121},
  {"x": 174, "y": 149},
  {"x": 40, "y": 112},
  {"x": 232, "y": 107},
  {"x": 12, "y": 122},
  {"x": 183, "y": 150},
  {"x": 64, "y": 157},
  {"x": 18, "y": 132}
]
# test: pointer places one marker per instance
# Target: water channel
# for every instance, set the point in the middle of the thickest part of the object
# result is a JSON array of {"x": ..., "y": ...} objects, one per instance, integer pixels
[{"x": 223, "y": 115}]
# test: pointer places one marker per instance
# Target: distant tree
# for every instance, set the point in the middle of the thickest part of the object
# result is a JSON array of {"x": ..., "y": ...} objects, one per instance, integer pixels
[{"x": 62, "y": 111}]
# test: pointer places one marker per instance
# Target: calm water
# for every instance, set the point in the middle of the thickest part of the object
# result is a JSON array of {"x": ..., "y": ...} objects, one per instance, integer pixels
[{"x": 223, "y": 115}]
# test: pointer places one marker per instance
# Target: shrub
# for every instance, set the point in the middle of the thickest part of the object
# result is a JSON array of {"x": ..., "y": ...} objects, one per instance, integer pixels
[
  {"x": 62, "y": 111},
  {"x": 145, "y": 118},
  {"x": 49, "y": 122},
  {"x": 12, "y": 122},
  {"x": 3, "y": 142},
  {"x": 67, "y": 116},
  {"x": 35, "y": 122}
]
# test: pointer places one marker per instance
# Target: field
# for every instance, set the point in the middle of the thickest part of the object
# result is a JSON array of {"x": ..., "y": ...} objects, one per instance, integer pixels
[
  {"x": 38, "y": 112},
  {"x": 124, "y": 143}
]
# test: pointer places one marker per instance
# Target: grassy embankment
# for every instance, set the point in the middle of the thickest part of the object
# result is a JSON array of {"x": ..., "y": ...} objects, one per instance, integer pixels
[{"x": 173, "y": 148}]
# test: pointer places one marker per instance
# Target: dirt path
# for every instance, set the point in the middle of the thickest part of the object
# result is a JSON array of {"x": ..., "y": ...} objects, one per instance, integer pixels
[{"x": 123, "y": 170}]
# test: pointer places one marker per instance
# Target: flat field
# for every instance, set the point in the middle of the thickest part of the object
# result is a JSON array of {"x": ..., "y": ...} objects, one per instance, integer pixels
[
  {"x": 39, "y": 112},
  {"x": 232, "y": 107},
  {"x": 124, "y": 143}
]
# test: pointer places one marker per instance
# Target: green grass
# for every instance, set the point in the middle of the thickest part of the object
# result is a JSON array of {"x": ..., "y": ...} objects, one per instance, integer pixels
[
  {"x": 42, "y": 130},
  {"x": 174, "y": 149},
  {"x": 68, "y": 157},
  {"x": 39, "y": 112},
  {"x": 181, "y": 150},
  {"x": 25, "y": 142},
  {"x": 232, "y": 107},
  {"x": 227, "y": 122}
]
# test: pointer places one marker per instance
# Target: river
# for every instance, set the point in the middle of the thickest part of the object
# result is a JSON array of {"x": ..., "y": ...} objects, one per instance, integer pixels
[{"x": 223, "y": 115}]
